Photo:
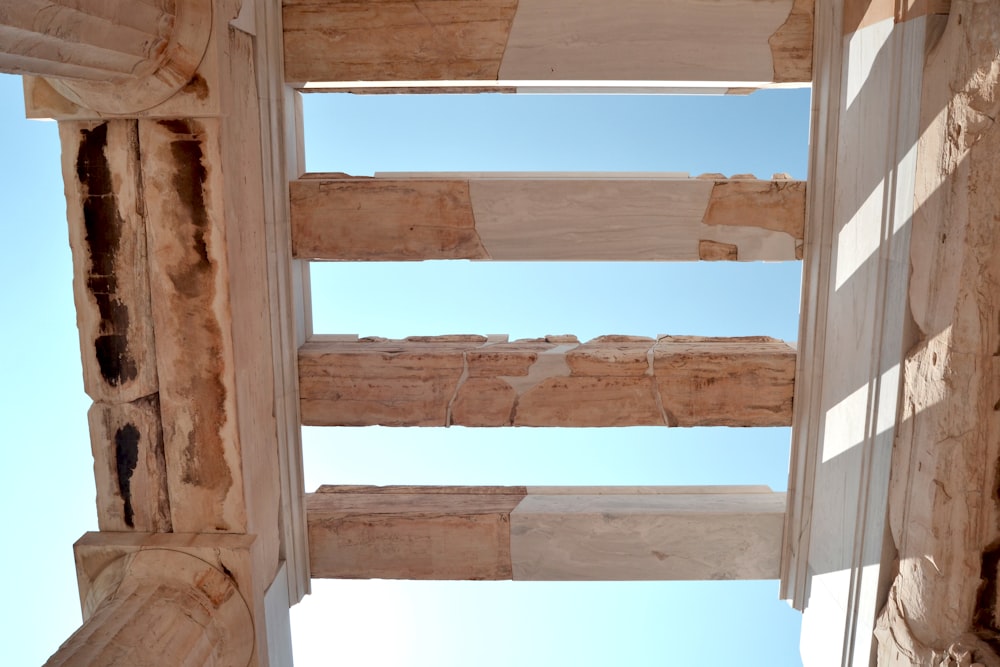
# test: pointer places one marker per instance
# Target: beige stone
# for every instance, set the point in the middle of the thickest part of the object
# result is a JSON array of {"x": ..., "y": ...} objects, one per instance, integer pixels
[
  {"x": 109, "y": 56},
  {"x": 177, "y": 214},
  {"x": 545, "y": 533},
  {"x": 647, "y": 536},
  {"x": 411, "y": 532},
  {"x": 610, "y": 381},
  {"x": 160, "y": 606},
  {"x": 544, "y": 217},
  {"x": 739, "y": 42},
  {"x": 129, "y": 466},
  {"x": 943, "y": 507},
  {"x": 107, "y": 231},
  {"x": 375, "y": 219},
  {"x": 395, "y": 40}
]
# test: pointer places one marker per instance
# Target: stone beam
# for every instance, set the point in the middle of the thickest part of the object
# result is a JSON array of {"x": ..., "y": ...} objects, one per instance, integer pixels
[
  {"x": 546, "y": 217},
  {"x": 545, "y": 533},
  {"x": 738, "y": 43},
  {"x": 552, "y": 381}
]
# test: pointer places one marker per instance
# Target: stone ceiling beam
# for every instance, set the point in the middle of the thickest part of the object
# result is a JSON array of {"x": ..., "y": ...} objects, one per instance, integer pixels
[
  {"x": 546, "y": 217},
  {"x": 552, "y": 381},
  {"x": 739, "y": 43},
  {"x": 546, "y": 533}
]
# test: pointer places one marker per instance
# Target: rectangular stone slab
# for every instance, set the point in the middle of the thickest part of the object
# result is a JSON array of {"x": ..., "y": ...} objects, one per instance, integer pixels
[
  {"x": 554, "y": 381},
  {"x": 737, "y": 43},
  {"x": 411, "y": 532},
  {"x": 546, "y": 217},
  {"x": 568, "y": 537},
  {"x": 545, "y": 533}
]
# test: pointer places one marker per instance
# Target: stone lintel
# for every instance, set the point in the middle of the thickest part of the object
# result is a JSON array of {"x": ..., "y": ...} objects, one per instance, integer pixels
[
  {"x": 741, "y": 43},
  {"x": 545, "y": 217},
  {"x": 546, "y": 533},
  {"x": 553, "y": 381}
]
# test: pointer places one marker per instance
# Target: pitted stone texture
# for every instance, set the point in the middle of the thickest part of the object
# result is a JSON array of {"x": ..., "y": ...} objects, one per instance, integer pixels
[{"x": 609, "y": 381}]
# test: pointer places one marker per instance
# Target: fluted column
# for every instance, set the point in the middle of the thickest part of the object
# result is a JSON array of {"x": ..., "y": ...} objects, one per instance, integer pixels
[
  {"x": 161, "y": 607},
  {"x": 134, "y": 52}
]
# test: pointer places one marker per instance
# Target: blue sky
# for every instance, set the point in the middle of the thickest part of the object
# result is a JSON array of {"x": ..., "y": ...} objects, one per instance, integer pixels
[{"x": 48, "y": 493}]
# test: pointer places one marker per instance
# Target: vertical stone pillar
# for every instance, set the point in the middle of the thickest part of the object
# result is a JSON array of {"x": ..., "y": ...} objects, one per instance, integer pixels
[{"x": 161, "y": 607}]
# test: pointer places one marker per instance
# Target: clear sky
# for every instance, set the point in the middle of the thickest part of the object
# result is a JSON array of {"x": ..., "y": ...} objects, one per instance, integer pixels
[{"x": 48, "y": 492}]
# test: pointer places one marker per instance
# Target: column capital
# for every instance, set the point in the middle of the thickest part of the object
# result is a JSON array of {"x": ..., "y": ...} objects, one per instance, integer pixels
[
  {"x": 109, "y": 56},
  {"x": 166, "y": 71},
  {"x": 183, "y": 598}
]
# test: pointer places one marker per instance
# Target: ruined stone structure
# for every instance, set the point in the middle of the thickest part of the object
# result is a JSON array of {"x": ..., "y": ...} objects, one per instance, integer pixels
[{"x": 191, "y": 219}]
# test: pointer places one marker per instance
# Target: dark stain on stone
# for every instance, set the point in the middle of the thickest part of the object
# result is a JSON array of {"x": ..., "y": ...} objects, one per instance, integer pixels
[
  {"x": 996, "y": 483},
  {"x": 192, "y": 274},
  {"x": 103, "y": 228},
  {"x": 197, "y": 86},
  {"x": 126, "y": 458},
  {"x": 190, "y": 176},
  {"x": 984, "y": 621}
]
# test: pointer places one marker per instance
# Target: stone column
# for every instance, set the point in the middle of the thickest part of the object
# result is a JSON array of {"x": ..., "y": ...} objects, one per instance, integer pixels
[
  {"x": 161, "y": 607},
  {"x": 142, "y": 51}
]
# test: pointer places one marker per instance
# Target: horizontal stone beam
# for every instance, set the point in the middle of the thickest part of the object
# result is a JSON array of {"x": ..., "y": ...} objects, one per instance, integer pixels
[
  {"x": 546, "y": 217},
  {"x": 545, "y": 533},
  {"x": 739, "y": 42},
  {"x": 552, "y": 381}
]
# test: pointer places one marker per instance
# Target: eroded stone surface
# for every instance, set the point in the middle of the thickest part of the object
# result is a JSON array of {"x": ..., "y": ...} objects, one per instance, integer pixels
[
  {"x": 546, "y": 217},
  {"x": 609, "y": 381},
  {"x": 943, "y": 505},
  {"x": 129, "y": 466},
  {"x": 411, "y": 532},
  {"x": 107, "y": 230},
  {"x": 395, "y": 40},
  {"x": 190, "y": 308},
  {"x": 545, "y": 533}
]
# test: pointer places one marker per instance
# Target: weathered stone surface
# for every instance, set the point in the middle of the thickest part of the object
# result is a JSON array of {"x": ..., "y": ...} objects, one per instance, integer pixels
[
  {"x": 157, "y": 607},
  {"x": 411, "y": 532},
  {"x": 190, "y": 294},
  {"x": 375, "y": 219},
  {"x": 944, "y": 516},
  {"x": 713, "y": 251},
  {"x": 610, "y": 381},
  {"x": 725, "y": 381},
  {"x": 651, "y": 40},
  {"x": 545, "y": 533},
  {"x": 129, "y": 466},
  {"x": 546, "y": 217},
  {"x": 778, "y": 205},
  {"x": 107, "y": 230},
  {"x": 624, "y": 536},
  {"x": 395, "y": 40},
  {"x": 792, "y": 44},
  {"x": 527, "y": 40},
  {"x": 111, "y": 56}
]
